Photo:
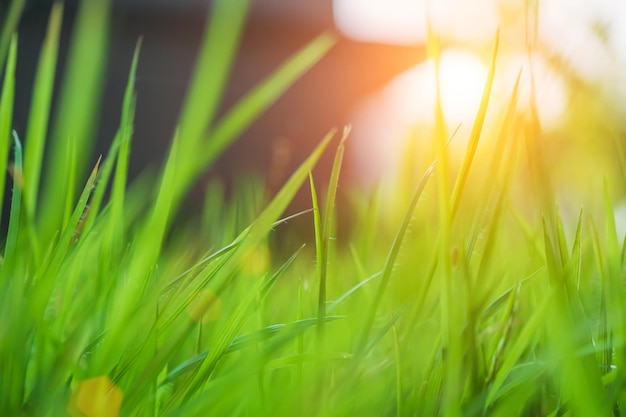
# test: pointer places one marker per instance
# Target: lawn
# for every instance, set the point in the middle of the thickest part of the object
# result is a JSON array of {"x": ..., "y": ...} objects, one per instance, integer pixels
[{"x": 461, "y": 292}]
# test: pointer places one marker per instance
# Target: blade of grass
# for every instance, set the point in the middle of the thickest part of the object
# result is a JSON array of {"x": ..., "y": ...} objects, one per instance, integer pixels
[
  {"x": 247, "y": 340},
  {"x": 517, "y": 348},
  {"x": 245, "y": 307},
  {"x": 9, "y": 26},
  {"x": 477, "y": 128},
  {"x": 261, "y": 97},
  {"x": 77, "y": 115},
  {"x": 211, "y": 71},
  {"x": 39, "y": 114},
  {"x": 399, "y": 392},
  {"x": 258, "y": 231},
  {"x": 6, "y": 114},
  {"x": 127, "y": 295},
  {"x": 351, "y": 291},
  {"x": 16, "y": 206},
  {"x": 390, "y": 262},
  {"x": 219, "y": 44},
  {"x": 317, "y": 226},
  {"x": 180, "y": 168},
  {"x": 45, "y": 276},
  {"x": 323, "y": 255},
  {"x": 119, "y": 151}
]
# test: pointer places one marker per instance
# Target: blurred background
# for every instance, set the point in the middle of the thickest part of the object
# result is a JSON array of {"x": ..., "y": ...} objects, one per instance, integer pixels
[
  {"x": 322, "y": 99},
  {"x": 377, "y": 78}
]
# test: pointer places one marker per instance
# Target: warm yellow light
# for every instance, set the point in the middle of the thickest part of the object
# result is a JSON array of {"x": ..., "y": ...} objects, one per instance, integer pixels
[{"x": 413, "y": 94}]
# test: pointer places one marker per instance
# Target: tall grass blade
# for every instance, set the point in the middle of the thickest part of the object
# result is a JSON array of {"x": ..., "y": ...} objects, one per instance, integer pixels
[
  {"x": 516, "y": 349},
  {"x": 6, "y": 114},
  {"x": 323, "y": 254},
  {"x": 258, "y": 231},
  {"x": 210, "y": 77},
  {"x": 390, "y": 263},
  {"x": 217, "y": 52},
  {"x": 39, "y": 114},
  {"x": 73, "y": 131},
  {"x": 119, "y": 151},
  {"x": 9, "y": 26},
  {"x": 262, "y": 96},
  {"x": 16, "y": 205},
  {"x": 477, "y": 129}
]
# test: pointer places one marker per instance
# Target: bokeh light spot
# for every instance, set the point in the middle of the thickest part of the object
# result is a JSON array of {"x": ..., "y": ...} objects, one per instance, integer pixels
[
  {"x": 256, "y": 260},
  {"x": 96, "y": 397}
]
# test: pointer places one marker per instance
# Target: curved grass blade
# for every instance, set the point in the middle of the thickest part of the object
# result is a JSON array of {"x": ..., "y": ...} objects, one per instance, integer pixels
[
  {"x": 261, "y": 97},
  {"x": 241, "y": 342},
  {"x": 351, "y": 291},
  {"x": 267, "y": 286}
]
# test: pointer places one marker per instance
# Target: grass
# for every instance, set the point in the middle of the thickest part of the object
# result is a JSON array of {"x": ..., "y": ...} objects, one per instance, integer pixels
[{"x": 455, "y": 300}]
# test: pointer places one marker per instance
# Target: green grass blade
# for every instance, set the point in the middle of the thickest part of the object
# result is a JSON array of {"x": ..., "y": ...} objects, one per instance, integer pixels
[
  {"x": 317, "y": 226},
  {"x": 48, "y": 270},
  {"x": 351, "y": 291},
  {"x": 40, "y": 110},
  {"x": 9, "y": 26},
  {"x": 390, "y": 262},
  {"x": 16, "y": 205},
  {"x": 247, "y": 340},
  {"x": 205, "y": 91},
  {"x": 576, "y": 257},
  {"x": 120, "y": 149},
  {"x": 211, "y": 72},
  {"x": 180, "y": 169},
  {"x": 398, "y": 362},
  {"x": 323, "y": 255},
  {"x": 6, "y": 114},
  {"x": 258, "y": 230},
  {"x": 477, "y": 129},
  {"x": 267, "y": 286},
  {"x": 261, "y": 97},
  {"x": 73, "y": 130},
  {"x": 264, "y": 222},
  {"x": 521, "y": 344}
]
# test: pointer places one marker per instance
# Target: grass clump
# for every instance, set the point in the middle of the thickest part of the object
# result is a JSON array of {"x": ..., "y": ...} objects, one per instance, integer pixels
[{"x": 472, "y": 305}]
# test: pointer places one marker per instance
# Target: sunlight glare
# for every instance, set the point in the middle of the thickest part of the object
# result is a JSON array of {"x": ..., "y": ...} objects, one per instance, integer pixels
[
  {"x": 390, "y": 21},
  {"x": 462, "y": 77},
  {"x": 405, "y": 21}
]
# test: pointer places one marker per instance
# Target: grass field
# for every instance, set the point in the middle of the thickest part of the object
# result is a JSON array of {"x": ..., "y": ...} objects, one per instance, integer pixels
[{"x": 460, "y": 293}]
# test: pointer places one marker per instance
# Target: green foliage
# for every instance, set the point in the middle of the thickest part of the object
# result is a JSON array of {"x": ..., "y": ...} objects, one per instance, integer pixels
[{"x": 473, "y": 304}]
